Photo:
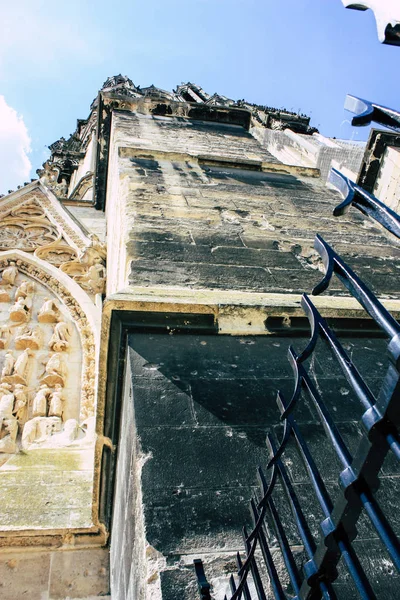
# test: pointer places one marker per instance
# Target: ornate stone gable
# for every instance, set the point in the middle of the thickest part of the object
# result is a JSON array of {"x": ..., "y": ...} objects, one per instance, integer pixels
[
  {"x": 50, "y": 272},
  {"x": 33, "y": 220}
]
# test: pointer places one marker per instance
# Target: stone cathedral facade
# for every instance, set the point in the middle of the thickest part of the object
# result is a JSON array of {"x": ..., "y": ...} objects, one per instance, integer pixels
[{"x": 150, "y": 287}]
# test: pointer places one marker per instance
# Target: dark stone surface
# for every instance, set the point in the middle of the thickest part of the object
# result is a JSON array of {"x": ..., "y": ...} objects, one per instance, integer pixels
[
  {"x": 161, "y": 404},
  {"x": 202, "y": 405},
  {"x": 181, "y": 521},
  {"x": 201, "y": 457}
]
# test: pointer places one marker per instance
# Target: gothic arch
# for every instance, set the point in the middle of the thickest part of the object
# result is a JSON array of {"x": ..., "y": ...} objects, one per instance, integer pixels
[{"x": 73, "y": 301}]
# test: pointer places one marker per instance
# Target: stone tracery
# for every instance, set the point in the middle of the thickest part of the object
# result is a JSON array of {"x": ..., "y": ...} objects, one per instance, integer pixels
[{"x": 36, "y": 224}]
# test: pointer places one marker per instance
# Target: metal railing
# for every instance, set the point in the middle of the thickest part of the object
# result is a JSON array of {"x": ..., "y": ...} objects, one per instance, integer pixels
[
  {"x": 358, "y": 478},
  {"x": 354, "y": 195},
  {"x": 367, "y": 111}
]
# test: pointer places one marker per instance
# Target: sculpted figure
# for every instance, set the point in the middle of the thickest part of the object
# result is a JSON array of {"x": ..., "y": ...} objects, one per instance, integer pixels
[
  {"x": 5, "y": 294},
  {"x": 88, "y": 427},
  {"x": 6, "y": 401},
  {"x": 27, "y": 288},
  {"x": 8, "y": 423},
  {"x": 8, "y": 365},
  {"x": 4, "y": 336},
  {"x": 38, "y": 430},
  {"x": 70, "y": 433},
  {"x": 94, "y": 279},
  {"x": 21, "y": 364},
  {"x": 56, "y": 402},
  {"x": 49, "y": 312},
  {"x": 55, "y": 370},
  {"x": 28, "y": 434},
  {"x": 61, "y": 189},
  {"x": 28, "y": 337},
  {"x": 59, "y": 341},
  {"x": 20, "y": 312},
  {"x": 8, "y": 435},
  {"x": 21, "y": 403},
  {"x": 14, "y": 370},
  {"x": 9, "y": 275},
  {"x": 39, "y": 408},
  {"x": 95, "y": 252},
  {"x": 7, "y": 281},
  {"x": 89, "y": 271}
]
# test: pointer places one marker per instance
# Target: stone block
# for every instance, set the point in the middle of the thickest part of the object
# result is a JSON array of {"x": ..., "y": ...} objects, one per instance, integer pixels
[
  {"x": 201, "y": 276},
  {"x": 213, "y": 457},
  {"x": 24, "y": 575},
  {"x": 79, "y": 574},
  {"x": 182, "y": 359},
  {"x": 243, "y": 402},
  {"x": 213, "y": 237},
  {"x": 327, "y": 461},
  {"x": 181, "y": 521},
  {"x": 162, "y": 403}
]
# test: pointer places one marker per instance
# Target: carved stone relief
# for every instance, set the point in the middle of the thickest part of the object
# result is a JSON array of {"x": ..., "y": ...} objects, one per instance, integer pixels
[
  {"x": 89, "y": 270},
  {"x": 26, "y": 227},
  {"x": 46, "y": 361},
  {"x": 56, "y": 253},
  {"x": 35, "y": 225}
]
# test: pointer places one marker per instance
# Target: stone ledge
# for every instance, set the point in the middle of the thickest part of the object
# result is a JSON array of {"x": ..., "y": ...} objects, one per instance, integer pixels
[
  {"x": 218, "y": 161},
  {"x": 207, "y": 301},
  {"x": 55, "y": 575}
]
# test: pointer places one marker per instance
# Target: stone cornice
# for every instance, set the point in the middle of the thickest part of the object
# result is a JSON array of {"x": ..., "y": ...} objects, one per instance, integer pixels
[{"x": 171, "y": 108}]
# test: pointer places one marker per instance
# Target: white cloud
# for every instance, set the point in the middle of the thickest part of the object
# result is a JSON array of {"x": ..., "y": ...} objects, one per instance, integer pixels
[{"x": 15, "y": 142}]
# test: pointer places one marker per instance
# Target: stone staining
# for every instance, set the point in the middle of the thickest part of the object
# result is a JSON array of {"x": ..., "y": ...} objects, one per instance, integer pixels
[{"x": 40, "y": 364}]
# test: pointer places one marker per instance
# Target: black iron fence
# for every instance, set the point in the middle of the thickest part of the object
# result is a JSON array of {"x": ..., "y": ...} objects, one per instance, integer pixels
[
  {"x": 359, "y": 477},
  {"x": 354, "y": 195}
]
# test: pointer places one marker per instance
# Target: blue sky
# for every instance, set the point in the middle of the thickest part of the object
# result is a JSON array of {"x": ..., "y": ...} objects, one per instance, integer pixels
[{"x": 298, "y": 54}]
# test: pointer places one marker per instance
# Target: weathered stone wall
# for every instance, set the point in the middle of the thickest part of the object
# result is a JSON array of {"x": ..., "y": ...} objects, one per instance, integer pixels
[
  {"x": 187, "y": 136},
  {"x": 312, "y": 150},
  {"x": 387, "y": 185},
  {"x": 128, "y": 540},
  {"x": 90, "y": 218},
  {"x": 195, "y": 209},
  {"x": 185, "y": 223},
  {"x": 194, "y": 426},
  {"x": 55, "y": 574}
]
